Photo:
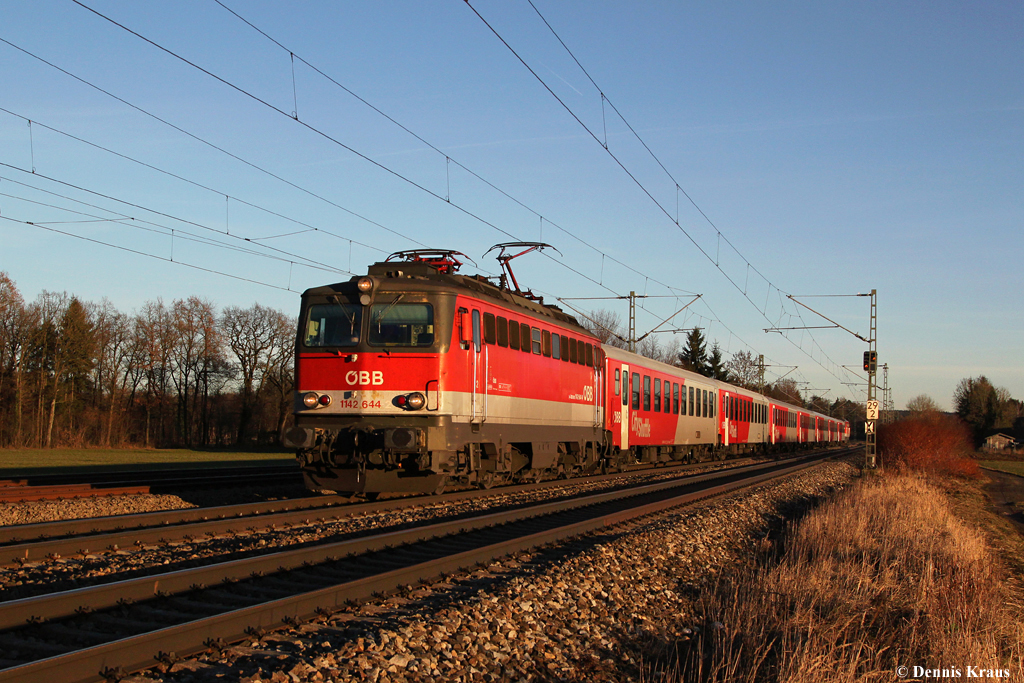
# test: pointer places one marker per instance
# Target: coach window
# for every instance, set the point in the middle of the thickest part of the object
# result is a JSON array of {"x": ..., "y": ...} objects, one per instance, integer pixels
[
  {"x": 573, "y": 357},
  {"x": 535, "y": 338},
  {"x": 476, "y": 330},
  {"x": 556, "y": 349},
  {"x": 625, "y": 388},
  {"x": 489, "y": 335},
  {"x": 545, "y": 338},
  {"x": 675, "y": 398},
  {"x": 524, "y": 337},
  {"x": 704, "y": 402},
  {"x": 647, "y": 392},
  {"x": 691, "y": 401},
  {"x": 636, "y": 391},
  {"x": 590, "y": 355},
  {"x": 565, "y": 348},
  {"x": 617, "y": 382},
  {"x": 668, "y": 399},
  {"x": 513, "y": 335},
  {"x": 502, "y": 331},
  {"x": 682, "y": 399},
  {"x": 657, "y": 395}
]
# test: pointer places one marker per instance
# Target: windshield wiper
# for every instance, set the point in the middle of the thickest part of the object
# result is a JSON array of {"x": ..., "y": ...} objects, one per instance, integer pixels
[{"x": 380, "y": 316}]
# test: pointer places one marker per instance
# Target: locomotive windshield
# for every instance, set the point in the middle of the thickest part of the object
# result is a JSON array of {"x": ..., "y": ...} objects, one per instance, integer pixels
[
  {"x": 397, "y": 324},
  {"x": 334, "y": 324}
]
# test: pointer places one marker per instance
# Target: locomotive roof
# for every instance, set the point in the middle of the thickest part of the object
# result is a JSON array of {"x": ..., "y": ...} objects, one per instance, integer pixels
[{"x": 424, "y": 277}]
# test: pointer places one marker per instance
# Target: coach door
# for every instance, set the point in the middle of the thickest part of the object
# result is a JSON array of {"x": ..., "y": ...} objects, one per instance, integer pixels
[{"x": 624, "y": 423}]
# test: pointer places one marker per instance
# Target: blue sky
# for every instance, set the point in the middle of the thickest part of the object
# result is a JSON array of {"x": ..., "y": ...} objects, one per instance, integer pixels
[{"x": 839, "y": 147}]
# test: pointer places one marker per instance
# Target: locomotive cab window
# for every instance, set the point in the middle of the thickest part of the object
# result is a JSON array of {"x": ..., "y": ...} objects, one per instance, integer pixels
[
  {"x": 334, "y": 324},
  {"x": 396, "y": 324}
]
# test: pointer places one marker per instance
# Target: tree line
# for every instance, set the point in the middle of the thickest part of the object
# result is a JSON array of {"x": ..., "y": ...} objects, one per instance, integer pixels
[
  {"x": 742, "y": 368},
  {"x": 76, "y": 374}
]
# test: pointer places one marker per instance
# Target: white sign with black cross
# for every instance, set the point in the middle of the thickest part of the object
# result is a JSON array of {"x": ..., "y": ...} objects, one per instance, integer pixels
[{"x": 869, "y": 427}]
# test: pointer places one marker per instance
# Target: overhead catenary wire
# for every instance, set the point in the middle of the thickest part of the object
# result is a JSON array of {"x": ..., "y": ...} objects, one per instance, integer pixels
[
  {"x": 598, "y": 282},
  {"x": 637, "y": 181},
  {"x": 448, "y": 159},
  {"x": 345, "y": 146},
  {"x": 153, "y": 256}
]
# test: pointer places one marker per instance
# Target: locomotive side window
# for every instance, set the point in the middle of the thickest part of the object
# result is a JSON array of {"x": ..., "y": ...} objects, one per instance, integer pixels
[
  {"x": 476, "y": 330},
  {"x": 556, "y": 350},
  {"x": 524, "y": 337},
  {"x": 333, "y": 324},
  {"x": 590, "y": 355},
  {"x": 573, "y": 351},
  {"x": 545, "y": 340},
  {"x": 657, "y": 394},
  {"x": 513, "y": 335},
  {"x": 398, "y": 324},
  {"x": 675, "y": 398},
  {"x": 565, "y": 348},
  {"x": 489, "y": 334},
  {"x": 617, "y": 382},
  {"x": 502, "y": 331},
  {"x": 636, "y": 391},
  {"x": 647, "y": 392},
  {"x": 535, "y": 337}
]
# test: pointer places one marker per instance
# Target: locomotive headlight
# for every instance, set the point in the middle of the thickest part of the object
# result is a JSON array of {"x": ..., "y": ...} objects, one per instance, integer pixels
[
  {"x": 415, "y": 400},
  {"x": 310, "y": 399},
  {"x": 365, "y": 284}
]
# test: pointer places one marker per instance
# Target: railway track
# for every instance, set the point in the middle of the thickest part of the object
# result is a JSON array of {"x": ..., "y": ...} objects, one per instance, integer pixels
[
  {"x": 31, "y": 542},
  {"x": 58, "y": 486},
  {"x": 123, "y": 626}
]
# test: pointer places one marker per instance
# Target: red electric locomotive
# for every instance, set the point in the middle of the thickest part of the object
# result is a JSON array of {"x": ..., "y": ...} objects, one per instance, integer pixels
[{"x": 413, "y": 377}]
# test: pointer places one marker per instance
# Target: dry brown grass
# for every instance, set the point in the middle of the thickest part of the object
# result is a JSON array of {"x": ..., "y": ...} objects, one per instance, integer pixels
[{"x": 884, "y": 576}]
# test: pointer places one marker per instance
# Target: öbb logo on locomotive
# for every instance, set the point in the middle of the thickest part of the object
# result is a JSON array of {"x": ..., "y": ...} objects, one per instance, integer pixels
[{"x": 414, "y": 377}]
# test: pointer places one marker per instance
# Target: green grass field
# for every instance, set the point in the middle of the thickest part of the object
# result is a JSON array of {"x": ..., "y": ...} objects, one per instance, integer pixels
[
  {"x": 1013, "y": 467},
  {"x": 41, "y": 460}
]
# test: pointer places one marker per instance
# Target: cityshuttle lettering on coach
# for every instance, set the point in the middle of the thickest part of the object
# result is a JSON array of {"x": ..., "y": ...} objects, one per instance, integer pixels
[{"x": 364, "y": 378}]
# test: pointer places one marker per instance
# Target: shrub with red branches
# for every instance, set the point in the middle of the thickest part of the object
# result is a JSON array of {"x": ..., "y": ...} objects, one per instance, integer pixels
[{"x": 930, "y": 443}]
